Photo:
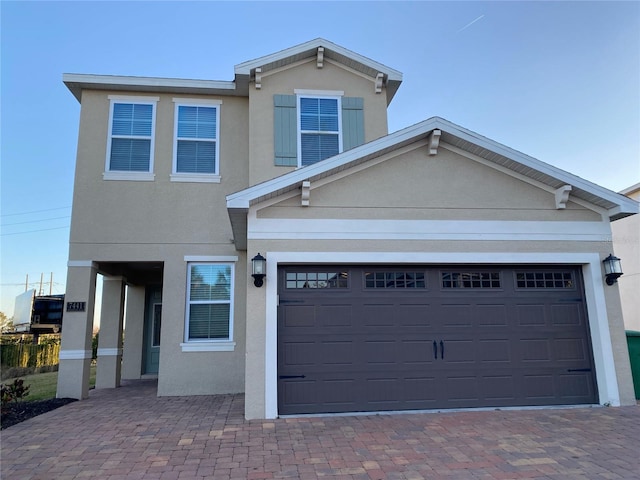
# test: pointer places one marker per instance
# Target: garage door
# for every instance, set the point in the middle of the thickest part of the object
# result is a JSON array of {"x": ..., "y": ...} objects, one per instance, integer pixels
[{"x": 354, "y": 338}]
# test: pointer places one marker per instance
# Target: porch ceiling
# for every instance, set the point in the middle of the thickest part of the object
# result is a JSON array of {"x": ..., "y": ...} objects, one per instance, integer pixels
[{"x": 135, "y": 273}]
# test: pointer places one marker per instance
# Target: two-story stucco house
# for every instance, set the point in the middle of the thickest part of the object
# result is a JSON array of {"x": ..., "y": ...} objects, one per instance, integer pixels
[{"x": 427, "y": 268}]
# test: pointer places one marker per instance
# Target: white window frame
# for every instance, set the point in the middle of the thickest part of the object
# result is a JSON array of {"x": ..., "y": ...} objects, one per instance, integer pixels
[
  {"x": 187, "y": 176},
  {"x": 124, "y": 175},
  {"x": 325, "y": 94},
  {"x": 210, "y": 345}
]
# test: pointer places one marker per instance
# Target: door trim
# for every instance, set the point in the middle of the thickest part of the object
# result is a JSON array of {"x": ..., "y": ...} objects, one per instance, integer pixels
[{"x": 594, "y": 296}]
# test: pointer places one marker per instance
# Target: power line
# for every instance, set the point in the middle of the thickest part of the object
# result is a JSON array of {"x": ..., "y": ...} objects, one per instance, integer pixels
[
  {"x": 34, "y": 221},
  {"x": 32, "y": 231},
  {"x": 33, "y": 211}
]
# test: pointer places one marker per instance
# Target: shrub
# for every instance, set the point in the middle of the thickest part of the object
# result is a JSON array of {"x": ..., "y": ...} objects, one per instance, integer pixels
[{"x": 13, "y": 392}]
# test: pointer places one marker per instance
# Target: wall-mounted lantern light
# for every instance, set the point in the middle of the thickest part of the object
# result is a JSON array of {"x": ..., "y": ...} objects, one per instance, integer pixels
[
  {"x": 612, "y": 269},
  {"x": 259, "y": 268}
]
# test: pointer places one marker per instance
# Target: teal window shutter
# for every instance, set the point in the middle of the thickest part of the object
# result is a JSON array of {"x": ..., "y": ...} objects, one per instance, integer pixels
[
  {"x": 352, "y": 122},
  {"x": 285, "y": 129}
]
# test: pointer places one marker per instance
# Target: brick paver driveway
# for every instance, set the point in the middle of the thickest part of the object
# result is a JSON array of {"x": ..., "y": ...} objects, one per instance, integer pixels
[{"x": 129, "y": 433}]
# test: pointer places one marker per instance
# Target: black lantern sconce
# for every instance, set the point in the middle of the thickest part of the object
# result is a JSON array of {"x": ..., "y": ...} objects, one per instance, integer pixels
[
  {"x": 259, "y": 268},
  {"x": 612, "y": 269}
]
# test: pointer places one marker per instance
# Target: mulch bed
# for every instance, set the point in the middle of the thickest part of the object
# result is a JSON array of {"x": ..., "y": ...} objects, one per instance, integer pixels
[{"x": 21, "y": 411}]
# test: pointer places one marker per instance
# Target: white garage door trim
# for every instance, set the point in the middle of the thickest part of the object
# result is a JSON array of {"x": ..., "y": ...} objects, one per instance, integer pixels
[{"x": 594, "y": 295}]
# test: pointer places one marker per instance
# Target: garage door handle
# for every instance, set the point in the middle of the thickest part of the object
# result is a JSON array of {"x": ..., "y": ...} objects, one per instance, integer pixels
[
  {"x": 578, "y": 370},
  {"x": 292, "y": 376},
  {"x": 435, "y": 350},
  {"x": 441, "y": 349}
]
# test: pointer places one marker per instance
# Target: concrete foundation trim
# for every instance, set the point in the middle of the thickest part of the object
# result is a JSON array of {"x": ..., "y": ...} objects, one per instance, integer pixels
[{"x": 75, "y": 354}]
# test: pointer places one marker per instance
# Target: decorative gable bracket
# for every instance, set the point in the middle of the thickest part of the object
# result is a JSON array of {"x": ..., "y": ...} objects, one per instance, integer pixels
[
  {"x": 320, "y": 57},
  {"x": 434, "y": 141},
  {"x": 258, "y": 75},
  {"x": 562, "y": 196},
  {"x": 379, "y": 82},
  {"x": 306, "y": 193}
]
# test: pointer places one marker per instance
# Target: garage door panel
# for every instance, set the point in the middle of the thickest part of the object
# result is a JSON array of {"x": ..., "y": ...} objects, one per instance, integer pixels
[
  {"x": 299, "y": 316},
  {"x": 563, "y": 315},
  {"x": 517, "y": 340},
  {"x": 491, "y": 315},
  {"x": 499, "y": 388},
  {"x": 494, "y": 351},
  {"x": 334, "y": 316},
  {"x": 571, "y": 349},
  {"x": 531, "y": 315},
  {"x": 378, "y": 315},
  {"x": 575, "y": 387},
  {"x": 457, "y": 315},
  {"x": 417, "y": 352}
]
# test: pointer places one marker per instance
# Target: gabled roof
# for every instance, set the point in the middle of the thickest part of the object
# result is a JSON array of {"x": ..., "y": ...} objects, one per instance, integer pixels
[
  {"x": 391, "y": 78},
  {"x": 617, "y": 205}
]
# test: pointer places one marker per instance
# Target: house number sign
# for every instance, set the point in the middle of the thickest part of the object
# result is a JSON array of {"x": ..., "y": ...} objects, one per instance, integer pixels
[{"x": 76, "y": 306}]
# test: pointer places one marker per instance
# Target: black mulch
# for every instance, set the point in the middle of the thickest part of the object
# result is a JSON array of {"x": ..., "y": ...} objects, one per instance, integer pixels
[{"x": 21, "y": 411}]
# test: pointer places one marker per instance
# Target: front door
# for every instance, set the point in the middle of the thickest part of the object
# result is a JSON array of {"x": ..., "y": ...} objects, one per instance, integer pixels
[{"x": 153, "y": 325}]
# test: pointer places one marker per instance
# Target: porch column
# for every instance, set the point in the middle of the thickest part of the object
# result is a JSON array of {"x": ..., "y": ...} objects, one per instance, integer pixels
[
  {"x": 133, "y": 333},
  {"x": 75, "y": 347},
  {"x": 110, "y": 340}
]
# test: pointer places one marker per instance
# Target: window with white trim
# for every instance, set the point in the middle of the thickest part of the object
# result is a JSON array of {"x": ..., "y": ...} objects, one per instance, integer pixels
[
  {"x": 131, "y": 136},
  {"x": 196, "y": 145},
  {"x": 319, "y": 128},
  {"x": 209, "y": 316}
]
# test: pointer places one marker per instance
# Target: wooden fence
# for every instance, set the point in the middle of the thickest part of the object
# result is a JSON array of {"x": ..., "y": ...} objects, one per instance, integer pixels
[{"x": 29, "y": 355}]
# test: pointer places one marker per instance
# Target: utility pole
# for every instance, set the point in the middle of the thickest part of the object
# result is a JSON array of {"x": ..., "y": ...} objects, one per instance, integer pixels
[
  {"x": 41, "y": 278},
  {"x": 51, "y": 285},
  {"x": 26, "y": 283}
]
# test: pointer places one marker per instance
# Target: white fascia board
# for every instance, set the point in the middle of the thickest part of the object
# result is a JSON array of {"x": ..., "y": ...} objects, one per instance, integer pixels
[
  {"x": 76, "y": 82},
  {"x": 246, "y": 67}
]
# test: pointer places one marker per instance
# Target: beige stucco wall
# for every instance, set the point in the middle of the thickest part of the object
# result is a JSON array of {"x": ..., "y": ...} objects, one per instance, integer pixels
[
  {"x": 447, "y": 186},
  {"x": 160, "y": 211},
  {"x": 306, "y": 76},
  {"x": 626, "y": 245},
  {"x": 165, "y": 221}
]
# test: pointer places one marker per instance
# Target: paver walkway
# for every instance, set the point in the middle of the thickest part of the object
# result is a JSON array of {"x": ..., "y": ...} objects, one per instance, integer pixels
[{"x": 129, "y": 433}]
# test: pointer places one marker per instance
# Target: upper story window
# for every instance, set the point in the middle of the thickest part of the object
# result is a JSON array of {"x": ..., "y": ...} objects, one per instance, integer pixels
[
  {"x": 196, "y": 145},
  {"x": 319, "y": 129},
  {"x": 131, "y": 138},
  {"x": 313, "y": 125}
]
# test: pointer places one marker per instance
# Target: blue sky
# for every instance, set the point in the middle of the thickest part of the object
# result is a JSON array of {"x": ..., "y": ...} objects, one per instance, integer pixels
[{"x": 559, "y": 81}]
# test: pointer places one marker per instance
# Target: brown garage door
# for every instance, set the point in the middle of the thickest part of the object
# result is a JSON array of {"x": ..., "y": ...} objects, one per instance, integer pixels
[{"x": 353, "y": 338}]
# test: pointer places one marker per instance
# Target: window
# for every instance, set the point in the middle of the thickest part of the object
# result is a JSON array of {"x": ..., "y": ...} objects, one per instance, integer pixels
[
  {"x": 395, "y": 280},
  {"x": 315, "y": 124},
  {"x": 471, "y": 280},
  {"x": 542, "y": 279},
  {"x": 317, "y": 280},
  {"x": 131, "y": 138},
  {"x": 319, "y": 129},
  {"x": 195, "y": 150},
  {"x": 209, "y": 302}
]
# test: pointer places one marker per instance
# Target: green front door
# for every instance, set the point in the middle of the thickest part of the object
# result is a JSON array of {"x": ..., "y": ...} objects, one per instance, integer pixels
[{"x": 153, "y": 325}]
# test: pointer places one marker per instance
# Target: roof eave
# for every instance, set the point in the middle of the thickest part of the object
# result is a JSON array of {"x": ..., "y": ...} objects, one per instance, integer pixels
[{"x": 77, "y": 82}]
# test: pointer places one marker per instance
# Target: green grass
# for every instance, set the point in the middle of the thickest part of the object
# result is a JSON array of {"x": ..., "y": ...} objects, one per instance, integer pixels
[{"x": 42, "y": 386}]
